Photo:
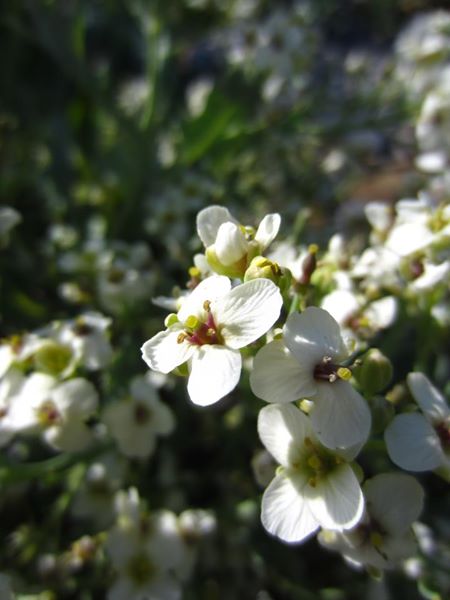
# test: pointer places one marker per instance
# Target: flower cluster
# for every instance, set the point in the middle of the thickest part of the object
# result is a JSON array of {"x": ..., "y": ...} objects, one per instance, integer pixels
[{"x": 321, "y": 378}]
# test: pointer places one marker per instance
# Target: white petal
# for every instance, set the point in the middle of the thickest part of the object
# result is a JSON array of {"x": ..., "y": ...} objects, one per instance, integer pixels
[
  {"x": 163, "y": 420},
  {"x": 268, "y": 229},
  {"x": 277, "y": 377},
  {"x": 282, "y": 429},
  {"x": 314, "y": 333},
  {"x": 395, "y": 500},
  {"x": 412, "y": 443},
  {"x": 247, "y": 312},
  {"x": 215, "y": 371},
  {"x": 337, "y": 502},
  {"x": 430, "y": 400},
  {"x": 284, "y": 512},
  {"x": 382, "y": 313},
  {"x": 72, "y": 436},
  {"x": 208, "y": 222},
  {"x": 340, "y": 417},
  {"x": 209, "y": 289},
  {"x": 341, "y": 304},
  {"x": 76, "y": 398},
  {"x": 163, "y": 353},
  {"x": 230, "y": 245}
]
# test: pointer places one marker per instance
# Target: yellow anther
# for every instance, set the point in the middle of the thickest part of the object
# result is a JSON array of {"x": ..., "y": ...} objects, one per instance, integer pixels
[
  {"x": 261, "y": 261},
  {"x": 181, "y": 337},
  {"x": 315, "y": 462},
  {"x": 192, "y": 322},
  {"x": 210, "y": 332},
  {"x": 364, "y": 322},
  {"x": 194, "y": 272},
  {"x": 207, "y": 305},
  {"x": 170, "y": 320},
  {"x": 344, "y": 373},
  {"x": 338, "y": 460},
  {"x": 312, "y": 481},
  {"x": 313, "y": 249}
]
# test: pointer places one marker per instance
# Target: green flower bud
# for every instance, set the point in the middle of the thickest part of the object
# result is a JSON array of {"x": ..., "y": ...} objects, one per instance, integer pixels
[
  {"x": 52, "y": 358},
  {"x": 382, "y": 414},
  {"x": 263, "y": 267},
  {"x": 236, "y": 270},
  {"x": 374, "y": 373}
]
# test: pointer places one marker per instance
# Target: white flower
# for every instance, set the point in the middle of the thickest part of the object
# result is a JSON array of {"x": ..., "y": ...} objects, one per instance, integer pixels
[
  {"x": 59, "y": 410},
  {"x": 10, "y": 385},
  {"x": 87, "y": 335},
  {"x": 419, "y": 225},
  {"x": 9, "y": 218},
  {"x": 421, "y": 442},
  {"x": 144, "y": 550},
  {"x": 306, "y": 364},
  {"x": 314, "y": 487},
  {"x": 229, "y": 245},
  {"x": 136, "y": 421},
  {"x": 94, "y": 497},
  {"x": 383, "y": 537},
  {"x": 213, "y": 323}
]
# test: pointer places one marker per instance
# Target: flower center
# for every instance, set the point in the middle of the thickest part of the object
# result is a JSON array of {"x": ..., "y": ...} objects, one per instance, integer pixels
[
  {"x": 443, "y": 431},
  {"x": 48, "y": 414},
  {"x": 142, "y": 414},
  {"x": 201, "y": 332},
  {"x": 328, "y": 371},
  {"x": 316, "y": 462},
  {"x": 140, "y": 569}
]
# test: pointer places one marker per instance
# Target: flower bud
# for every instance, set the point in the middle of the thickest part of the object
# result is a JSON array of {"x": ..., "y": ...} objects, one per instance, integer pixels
[
  {"x": 235, "y": 270},
  {"x": 382, "y": 414},
  {"x": 374, "y": 373},
  {"x": 52, "y": 358}
]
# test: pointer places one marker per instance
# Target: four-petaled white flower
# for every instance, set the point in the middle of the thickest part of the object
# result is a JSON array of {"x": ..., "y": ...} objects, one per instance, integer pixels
[
  {"x": 314, "y": 487},
  {"x": 58, "y": 410},
  {"x": 229, "y": 245},
  {"x": 384, "y": 536},
  {"x": 421, "y": 442},
  {"x": 136, "y": 421},
  {"x": 145, "y": 551},
  {"x": 213, "y": 323},
  {"x": 306, "y": 364}
]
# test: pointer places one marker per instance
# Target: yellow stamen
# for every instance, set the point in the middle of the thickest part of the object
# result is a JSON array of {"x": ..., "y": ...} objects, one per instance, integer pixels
[
  {"x": 315, "y": 462},
  {"x": 194, "y": 272},
  {"x": 181, "y": 337},
  {"x": 344, "y": 373},
  {"x": 207, "y": 305},
  {"x": 192, "y": 322}
]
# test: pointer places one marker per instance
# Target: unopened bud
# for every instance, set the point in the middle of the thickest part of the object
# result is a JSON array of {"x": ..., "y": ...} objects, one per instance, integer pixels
[
  {"x": 374, "y": 373},
  {"x": 382, "y": 413},
  {"x": 309, "y": 265},
  {"x": 261, "y": 266}
]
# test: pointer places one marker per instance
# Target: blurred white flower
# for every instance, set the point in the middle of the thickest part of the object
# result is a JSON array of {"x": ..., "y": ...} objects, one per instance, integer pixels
[
  {"x": 137, "y": 420},
  {"x": 383, "y": 537},
  {"x": 58, "y": 410},
  {"x": 9, "y": 218},
  {"x": 145, "y": 551}
]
